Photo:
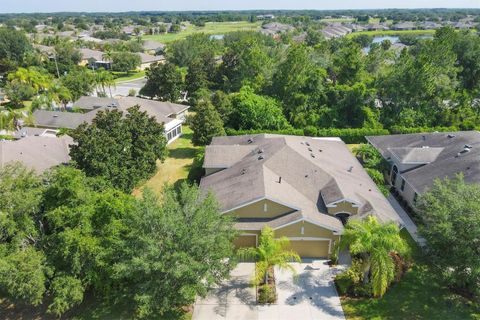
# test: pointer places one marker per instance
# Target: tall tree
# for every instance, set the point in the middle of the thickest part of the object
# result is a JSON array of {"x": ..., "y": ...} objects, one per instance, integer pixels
[
  {"x": 252, "y": 111},
  {"x": 124, "y": 150},
  {"x": 374, "y": 242},
  {"x": 175, "y": 251},
  {"x": 164, "y": 81},
  {"x": 450, "y": 210},
  {"x": 206, "y": 124}
]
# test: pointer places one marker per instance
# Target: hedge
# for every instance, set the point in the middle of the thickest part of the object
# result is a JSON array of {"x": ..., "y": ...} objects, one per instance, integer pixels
[
  {"x": 347, "y": 135},
  {"x": 350, "y": 135},
  {"x": 400, "y": 130}
]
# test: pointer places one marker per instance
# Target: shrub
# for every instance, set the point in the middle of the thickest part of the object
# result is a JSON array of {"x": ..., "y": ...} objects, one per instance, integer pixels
[
  {"x": 196, "y": 171},
  {"x": 266, "y": 294},
  {"x": 406, "y": 130},
  {"x": 132, "y": 93},
  {"x": 376, "y": 176}
]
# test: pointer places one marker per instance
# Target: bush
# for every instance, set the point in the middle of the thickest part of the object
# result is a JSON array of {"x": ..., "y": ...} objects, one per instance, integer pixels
[
  {"x": 406, "y": 130},
  {"x": 132, "y": 93},
  {"x": 196, "y": 171},
  {"x": 376, "y": 176},
  {"x": 266, "y": 294}
]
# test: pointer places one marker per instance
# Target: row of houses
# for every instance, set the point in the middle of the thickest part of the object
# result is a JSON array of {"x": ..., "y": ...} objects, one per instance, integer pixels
[
  {"x": 306, "y": 188},
  {"x": 96, "y": 59},
  {"x": 335, "y": 30},
  {"x": 39, "y": 147}
]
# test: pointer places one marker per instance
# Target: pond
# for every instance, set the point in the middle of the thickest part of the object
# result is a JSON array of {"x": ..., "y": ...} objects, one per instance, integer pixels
[
  {"x": 392, "y": 39},
  {"x": 217, "y": 37}
]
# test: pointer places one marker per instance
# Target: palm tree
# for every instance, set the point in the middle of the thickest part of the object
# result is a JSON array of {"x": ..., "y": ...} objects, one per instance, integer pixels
[
  {"x": 374, "y": 243},
  {"x": 105, "y": 79},
  {"x": 269, "y": 253}
]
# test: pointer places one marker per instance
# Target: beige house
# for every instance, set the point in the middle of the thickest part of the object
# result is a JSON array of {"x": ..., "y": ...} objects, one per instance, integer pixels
[{"x": 304, "y": 188}]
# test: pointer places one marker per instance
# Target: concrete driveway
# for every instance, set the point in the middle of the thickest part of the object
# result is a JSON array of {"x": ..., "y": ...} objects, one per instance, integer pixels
[{"x": 311, "y": 295}]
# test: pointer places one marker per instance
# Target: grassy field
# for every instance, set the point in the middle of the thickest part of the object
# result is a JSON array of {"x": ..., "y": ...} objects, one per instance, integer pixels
[
  {"x": 210, "y": 28},
  {"x": 419, "y": 295},
  {"x": 392, "y": 33},
  {"x": 122, "y": 77},
  {"x": 334, "y": 20},
  {"x": 177, "y": 165}
]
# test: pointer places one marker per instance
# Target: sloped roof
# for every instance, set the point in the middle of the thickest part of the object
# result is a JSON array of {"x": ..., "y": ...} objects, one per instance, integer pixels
[
  {"x": 38, "y": 153},
  {"x": 57, "y": 119},
  {"x": 302, "y": 172},
  {"x": 416, "y": 155},
  {"x": 449, "y": 161},
  {"x": 153, "y": 45}
]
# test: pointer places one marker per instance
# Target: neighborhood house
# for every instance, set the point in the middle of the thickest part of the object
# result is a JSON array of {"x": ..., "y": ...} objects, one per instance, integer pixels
[
  {"x": 416, "y": 160},
  {"x": 304, "y": 188},
  {"x": 172, "y": 115}
]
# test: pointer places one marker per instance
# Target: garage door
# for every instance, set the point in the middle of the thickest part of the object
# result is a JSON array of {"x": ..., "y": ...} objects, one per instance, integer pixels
[
  {"x": 245, "y": 241},
  {"x": 310, "y": 248}
]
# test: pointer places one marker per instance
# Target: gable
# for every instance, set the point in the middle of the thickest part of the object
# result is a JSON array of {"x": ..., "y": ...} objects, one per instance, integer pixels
[
  {"x": 263, "y": 208},
  {"x": 304, "y": 229},
  {"x": 344, "y": 206}
]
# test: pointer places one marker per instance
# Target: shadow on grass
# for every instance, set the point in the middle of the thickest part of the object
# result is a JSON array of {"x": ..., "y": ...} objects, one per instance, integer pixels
[{"x": 182, "y": 153}]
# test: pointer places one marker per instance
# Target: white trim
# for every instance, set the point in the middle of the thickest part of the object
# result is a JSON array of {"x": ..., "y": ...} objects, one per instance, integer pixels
[
  {"x": 251, "y": 234},
  {"x": 314, "y": 239},
  {"x": 354, "y": 203}
]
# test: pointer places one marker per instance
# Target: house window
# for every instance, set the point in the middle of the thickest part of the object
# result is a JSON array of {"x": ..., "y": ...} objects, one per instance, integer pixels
[
  {"x": 265, "y": 208},
  {"x": 402, "y": 187},
  {"x": 394, "y": 175}
]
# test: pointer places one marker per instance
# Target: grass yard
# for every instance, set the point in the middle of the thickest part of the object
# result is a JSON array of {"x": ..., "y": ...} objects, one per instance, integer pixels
[
  {"x": 177, "y": 165},
  {"x": 209, "y": 28},
  {"x": 419, "y": 295},
  {"x": 392, "y": 33},
  {"x": 122, "y": 77}
]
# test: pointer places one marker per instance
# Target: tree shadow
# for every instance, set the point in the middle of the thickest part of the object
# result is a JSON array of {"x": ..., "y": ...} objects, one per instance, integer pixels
[{"x": 182, "y": 153}]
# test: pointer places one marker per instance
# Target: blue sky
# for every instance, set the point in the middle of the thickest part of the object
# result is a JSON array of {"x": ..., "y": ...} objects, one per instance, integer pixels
[{"x": 163, "y": 5}]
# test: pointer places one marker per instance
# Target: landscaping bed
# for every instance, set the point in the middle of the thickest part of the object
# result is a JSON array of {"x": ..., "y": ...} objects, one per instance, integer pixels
[{"x": 266, "y": 291}]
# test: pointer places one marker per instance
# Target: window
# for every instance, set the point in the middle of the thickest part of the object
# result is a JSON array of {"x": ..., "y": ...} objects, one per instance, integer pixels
[
  {"x": 402, "y": 187},
  {"x": 394, "y": 175}
]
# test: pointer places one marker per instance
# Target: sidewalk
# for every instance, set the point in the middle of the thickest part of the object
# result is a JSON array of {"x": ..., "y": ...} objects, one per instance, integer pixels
[{"x": 406, "y": 221}]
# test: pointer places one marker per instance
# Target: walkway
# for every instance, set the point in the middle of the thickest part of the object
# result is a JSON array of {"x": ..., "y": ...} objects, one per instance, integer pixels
[
  {"x": 406, "y": 220},
  {"x": 309, "y": 296}
]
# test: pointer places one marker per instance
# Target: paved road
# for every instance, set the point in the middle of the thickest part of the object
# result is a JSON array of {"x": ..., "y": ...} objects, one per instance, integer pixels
[
  {"x": 310, "y": 296},
  {"x": 123, "y": 88}
]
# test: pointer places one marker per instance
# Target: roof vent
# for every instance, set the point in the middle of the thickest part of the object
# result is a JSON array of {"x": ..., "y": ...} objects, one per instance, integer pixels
[
  {"x": 424, "y": 138},
  {"x": 55, "y": 115},
  {"x": 312, "y": 155},
  {"x": 260, "y": 151},
  {"x": 250, "y": 140},
  {"x": 310, "y": 149},
  {"x": 308, "y": 144},
  {"x": 467, "y": 146},
  {"x": 451, "y": 136},
  {"x": 306, "y": 176},
  {"x": 350, "y": 169},
  {"x": 243, "y": 171},
  {"x": 279, "y": 179},
  {"x": 320, "y": 150},
  {"x": 261, "y": 158}
]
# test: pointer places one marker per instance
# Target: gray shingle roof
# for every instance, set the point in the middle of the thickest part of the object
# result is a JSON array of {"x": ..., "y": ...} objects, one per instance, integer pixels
[
  {"x": 416, "y": 155},
  {"x": 447, "y": 163},
  {"x": 162, "y": 111},
  {"x": 314, "y": 172},
  {"x": 38, "y": 153}
]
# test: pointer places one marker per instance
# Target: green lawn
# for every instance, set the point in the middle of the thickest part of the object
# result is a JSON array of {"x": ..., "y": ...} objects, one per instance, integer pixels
[
  {"x": 122, "y": 77},
  {"x": 210, "y": 28},
  {"x": 177, "y": 165},
  {"x": 419, "y": 295},
  {"x": 392, "y": 33},
  {"x": 334, "y": 20}
]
